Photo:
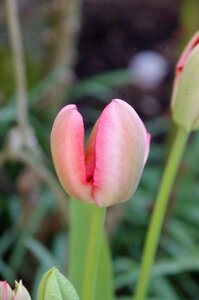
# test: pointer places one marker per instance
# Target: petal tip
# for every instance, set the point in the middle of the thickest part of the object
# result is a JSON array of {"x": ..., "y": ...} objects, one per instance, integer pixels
[
  {"x": 117, "y": 100},
  {"x": 68, "y": 108}
]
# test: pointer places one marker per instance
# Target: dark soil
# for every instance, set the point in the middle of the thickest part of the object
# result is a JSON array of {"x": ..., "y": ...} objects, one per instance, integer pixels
[{"x": 113, "y": 31}]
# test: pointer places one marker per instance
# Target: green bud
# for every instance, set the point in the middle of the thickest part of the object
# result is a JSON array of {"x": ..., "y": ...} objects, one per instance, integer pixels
[
  {"x": 54, "y": 286},
  {"x": 185, "y": 99}
]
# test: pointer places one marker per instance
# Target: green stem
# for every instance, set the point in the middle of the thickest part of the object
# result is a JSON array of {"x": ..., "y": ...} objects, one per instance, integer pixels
[
  {"x": 157, "y": 218},
  {"x": 19, "y": 63},
  {"x": 93, "y": 252},
  {"x": 85, "y": 245}
]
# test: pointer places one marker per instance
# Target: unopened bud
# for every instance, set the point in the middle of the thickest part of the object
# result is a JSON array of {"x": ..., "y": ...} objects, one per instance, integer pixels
[
  {"x": 185, "y": 98},
  {"x": 19, "y": 293},
  {"x": 54, "y": 286}
]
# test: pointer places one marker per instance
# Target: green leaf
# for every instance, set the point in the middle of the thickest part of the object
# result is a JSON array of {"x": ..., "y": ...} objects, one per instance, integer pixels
[
  {"x": 163, "y": 289},
  {"x": 44, "y": 256}
]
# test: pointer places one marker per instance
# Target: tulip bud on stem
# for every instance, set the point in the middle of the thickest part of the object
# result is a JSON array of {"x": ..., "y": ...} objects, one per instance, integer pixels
[
  {"x": 158, "y": 214},
  {"x": 185, "y": 113},
  {"x": 106, "y": 172}
]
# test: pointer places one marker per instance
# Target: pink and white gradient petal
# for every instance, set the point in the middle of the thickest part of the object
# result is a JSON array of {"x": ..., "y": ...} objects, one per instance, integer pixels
[
  {"x": 5, "y": 291},
  {"x": 121, "y": 150},
  {"x": 67, "y": 144}
]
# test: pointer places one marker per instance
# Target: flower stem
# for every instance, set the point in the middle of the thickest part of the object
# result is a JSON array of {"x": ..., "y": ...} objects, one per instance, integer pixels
[
  {"x": 19, "y": 63},
  {"x": 93, "y": 252},
  {"x": 158, "y": 214},
  {"x": 86, "y": 232}
]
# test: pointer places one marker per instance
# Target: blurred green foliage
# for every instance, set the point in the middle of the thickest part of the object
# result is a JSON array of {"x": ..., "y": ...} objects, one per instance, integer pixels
[
  {"x": 175, "y": 273},
  {"x": 32, "y": 237}
]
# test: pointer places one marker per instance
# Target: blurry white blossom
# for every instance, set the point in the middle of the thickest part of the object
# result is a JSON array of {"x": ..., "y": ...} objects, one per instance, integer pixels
[{"x": 149, "y": 68}]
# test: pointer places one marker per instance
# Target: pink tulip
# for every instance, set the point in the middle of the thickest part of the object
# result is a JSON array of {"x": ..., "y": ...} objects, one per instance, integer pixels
[
  {"x": 19, "y": 293},
  {"x": 109, "y": 170}
]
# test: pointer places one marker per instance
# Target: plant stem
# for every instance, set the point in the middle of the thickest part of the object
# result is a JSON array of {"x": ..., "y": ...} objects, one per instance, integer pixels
[
  {"x": 64, "y": 19},
  {"x": 19, "y": 65},
  {"x": 93, "y": 252},
  {"x": 85, "y": 245},
  {"x": 158, "y": 214}
]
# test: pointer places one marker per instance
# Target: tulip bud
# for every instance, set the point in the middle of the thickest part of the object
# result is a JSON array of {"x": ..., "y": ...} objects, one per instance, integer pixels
[
  {"x": 54, "y": 286},
  {"x": 109, "y": 170},
  {"x": 185, "y": 98},
  {"x": 5, "y": 291},
  {"x": 21, "y": 292}
]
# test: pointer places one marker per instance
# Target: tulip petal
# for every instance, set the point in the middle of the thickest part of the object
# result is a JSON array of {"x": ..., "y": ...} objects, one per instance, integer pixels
[
  {"x": 184, "y": 56},
  {"x": 185, "y": 106},
  {"x": 121, "y": 149},
  {"x": 67, "y": 144},
  {"x": 5, "y": 291},
  {"x": 21, "y": 292},
  {"x": 90, "y": 154}
]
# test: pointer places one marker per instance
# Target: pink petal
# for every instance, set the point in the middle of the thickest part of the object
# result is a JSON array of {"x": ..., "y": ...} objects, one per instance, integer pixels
[
  {"x": 121, "y": 149},
  {"x": 5, "y": 291},
  {"x": 67, "y": 145},
  {"x": 90, "y": 154}
]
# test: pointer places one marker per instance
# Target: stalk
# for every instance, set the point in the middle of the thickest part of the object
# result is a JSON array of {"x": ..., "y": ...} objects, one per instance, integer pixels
[{"x": 159, "y": 211}]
